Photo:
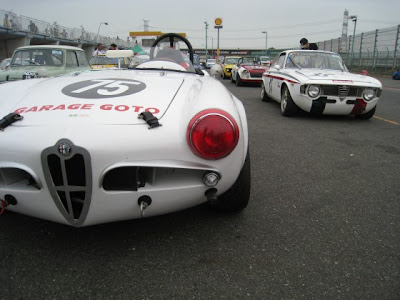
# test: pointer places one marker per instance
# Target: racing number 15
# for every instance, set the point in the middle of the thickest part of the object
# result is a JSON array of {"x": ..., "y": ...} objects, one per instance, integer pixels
[{"x": 108, "y": 87}]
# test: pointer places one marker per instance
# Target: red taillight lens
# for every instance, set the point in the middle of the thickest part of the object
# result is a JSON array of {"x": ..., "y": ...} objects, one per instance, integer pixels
[{"x": 212, "y": 134}]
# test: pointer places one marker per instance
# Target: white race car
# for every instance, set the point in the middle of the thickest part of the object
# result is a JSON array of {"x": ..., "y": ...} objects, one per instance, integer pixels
[
  {"x": 118, "y": 144},
  {"x": 319, "y": 82}
]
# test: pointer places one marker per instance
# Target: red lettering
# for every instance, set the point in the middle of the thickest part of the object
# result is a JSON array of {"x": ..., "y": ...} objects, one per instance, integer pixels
[
  {"x": 137, "y": 108},
  {"x": 122, "y": 107},
  {"x": 62, "y": 107},
  {"x": 87, "y": 106},
  {"x": 74, "y": 106},
  {"x": 32, "y": 109},
  {"x": 20, "y": 110},
  {"x": 153, "y": 110},
  {"x": 45, "y": 107},
  {"x": 106, "y": 107}
]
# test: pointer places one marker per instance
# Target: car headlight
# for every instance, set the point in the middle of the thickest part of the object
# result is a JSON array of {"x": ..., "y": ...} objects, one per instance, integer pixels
[
  {"x": 313, "y": 91},
  {"x": 245, "y": 73},
  {"x": 368, "y": 94}
]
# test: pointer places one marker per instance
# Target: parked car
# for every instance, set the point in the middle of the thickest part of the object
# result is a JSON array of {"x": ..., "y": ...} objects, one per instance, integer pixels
[
  {"x": 265, "y": 60},
  {"x": 210, "y": 62},
  {"x": 5, "y": 63},
  {"x": 247, "y": 70},
  {"x": 101, "y": 61},
  {"x": 228, "y": 64},
  {"x": 44, "y": 61},
  {"x": 319, "y": 82},
  {"x": 117, "y": 144}
]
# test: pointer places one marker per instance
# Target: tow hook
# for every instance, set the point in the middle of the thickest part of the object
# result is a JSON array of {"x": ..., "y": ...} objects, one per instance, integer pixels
[
  {"x": 144, "y": 202},
  {"x": 8, "y": 199},
  {"x": 211, "y": 195}
]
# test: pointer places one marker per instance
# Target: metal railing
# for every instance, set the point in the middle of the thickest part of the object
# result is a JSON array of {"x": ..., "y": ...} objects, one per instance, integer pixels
[
  {"x": 15, "y": 22},
  {"x": 374, "y": 50}
]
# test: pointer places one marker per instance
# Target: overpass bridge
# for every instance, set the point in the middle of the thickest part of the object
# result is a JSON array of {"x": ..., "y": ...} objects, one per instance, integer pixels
[{"x": 17, "y": 30}]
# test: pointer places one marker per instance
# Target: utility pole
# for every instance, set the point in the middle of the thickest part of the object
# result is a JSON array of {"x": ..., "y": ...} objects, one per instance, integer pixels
[
  {"x": 206, "y": 39},
  {"x": 145, "y": 25},
  {"x": 266, "y": 42},
  {"x": 354, "y": 19}
]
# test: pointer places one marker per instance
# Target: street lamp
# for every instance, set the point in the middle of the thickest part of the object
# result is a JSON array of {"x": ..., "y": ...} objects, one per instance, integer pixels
[
  {"x": 266, "y": 42},
  {"x": 98, "y": 31},
  {"x": 206, "y": 39},
  {"x": 354, "y": 19}
]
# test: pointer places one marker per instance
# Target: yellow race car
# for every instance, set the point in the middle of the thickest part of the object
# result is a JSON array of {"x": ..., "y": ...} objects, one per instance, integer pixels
[{"x": 228, "y": 64}]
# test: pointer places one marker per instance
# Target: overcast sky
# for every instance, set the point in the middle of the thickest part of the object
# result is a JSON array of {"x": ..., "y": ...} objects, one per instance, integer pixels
[{"x": 243, "y": 21}]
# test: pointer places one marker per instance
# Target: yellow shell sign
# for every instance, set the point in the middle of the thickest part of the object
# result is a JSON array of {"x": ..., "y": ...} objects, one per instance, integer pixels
[{"x": 218, "y": 22}]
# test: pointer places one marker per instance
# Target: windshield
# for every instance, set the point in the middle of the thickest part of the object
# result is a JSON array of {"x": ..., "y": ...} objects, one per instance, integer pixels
[
  {"x": 314, "y": 60},
  {"x": 38, "y": 57},
  {"x": 231, "y": 60},
  {"x": 249, "y": 60},
  {"x": 169, "y": 54},
  {"x": 104, "y": 60}
]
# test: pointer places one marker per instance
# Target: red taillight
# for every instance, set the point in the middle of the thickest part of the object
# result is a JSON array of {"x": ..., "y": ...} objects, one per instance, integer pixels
[{"x": 212, "y": 134}]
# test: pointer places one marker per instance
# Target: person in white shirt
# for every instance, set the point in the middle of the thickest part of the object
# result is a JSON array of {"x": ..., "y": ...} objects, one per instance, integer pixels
[{"x": 99, "y": 50}]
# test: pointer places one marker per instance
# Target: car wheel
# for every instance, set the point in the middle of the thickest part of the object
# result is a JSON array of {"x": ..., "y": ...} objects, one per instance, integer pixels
[
  {"x": 232, "y": 80},
  {"x": 263, "y": 94},
  {"x": 237, "y": 197},
  {"x": 367, "y": 115},
  {"x": 288, "y": 107},
  {"x": 239, "y": 81}
]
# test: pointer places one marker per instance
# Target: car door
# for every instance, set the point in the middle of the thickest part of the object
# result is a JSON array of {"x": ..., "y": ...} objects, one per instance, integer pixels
[{"x": 275, "y": 78}]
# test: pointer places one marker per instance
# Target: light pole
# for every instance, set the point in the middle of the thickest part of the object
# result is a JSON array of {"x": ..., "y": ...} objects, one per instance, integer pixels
[
  {"x": 206, "y": 39},
  {"x": 266, "y": 42},
  {"x": 354, "y": 19},
  {"x": 98, "y": 31}
]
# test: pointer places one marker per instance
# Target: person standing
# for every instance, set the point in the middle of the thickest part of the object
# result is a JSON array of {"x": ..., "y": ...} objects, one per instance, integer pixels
[
  {"x": 99, "y": 50},
  {"x": 6, "y": 22},
  {"x": 396, "y": 75},
  {"x": 305, "y": 45},
  {"x": 113, "y": 47}
]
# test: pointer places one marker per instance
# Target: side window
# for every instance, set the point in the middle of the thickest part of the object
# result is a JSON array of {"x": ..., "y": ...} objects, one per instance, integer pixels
[
  {"x": 72, "y": 61},
  {"x": 82, "y": 59},
  {"x": 281, "y": 61},
  {"x": 17, "y": 58}
]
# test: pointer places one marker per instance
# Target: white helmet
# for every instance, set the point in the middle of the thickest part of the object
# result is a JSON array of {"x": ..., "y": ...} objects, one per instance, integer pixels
[{"x": 217, "y": 71}]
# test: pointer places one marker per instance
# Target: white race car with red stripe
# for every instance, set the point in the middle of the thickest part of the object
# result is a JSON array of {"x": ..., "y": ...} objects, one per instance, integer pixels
[
  {"x": 248, "y": 69},
  {"x": 118, "y": 144},
  {"x": 319, "y": 82}
]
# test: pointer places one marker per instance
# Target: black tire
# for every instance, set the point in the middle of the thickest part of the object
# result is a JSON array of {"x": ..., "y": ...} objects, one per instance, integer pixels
[
  {"x": 237, "y": 197},
  {"x": 367, "y": 115},
  {"x": 263, "y": 94},
  {"x": 232, "y": 80},
  {"x": 239, "y": 81},
  {"x": 288, "y": 107}
]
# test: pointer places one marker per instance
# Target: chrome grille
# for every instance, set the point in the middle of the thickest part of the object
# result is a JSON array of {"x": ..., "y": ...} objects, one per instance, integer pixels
[
  {"x": 256, "y": 75},
  {"x": 68, "y": 173},
  {"x": 343, "y": 91}
]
